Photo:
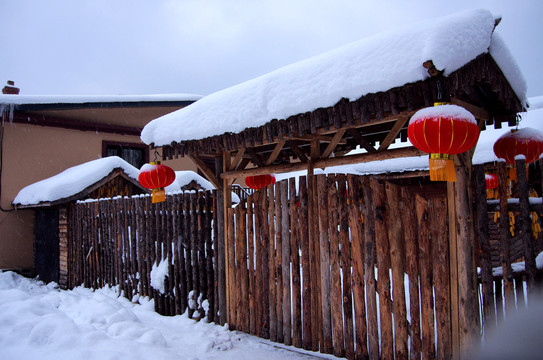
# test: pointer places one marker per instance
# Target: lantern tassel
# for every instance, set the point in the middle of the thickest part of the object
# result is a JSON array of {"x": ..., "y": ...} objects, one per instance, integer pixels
[
  {"x": 442, "y": 167},
  {"x": 159, "y": 195}
]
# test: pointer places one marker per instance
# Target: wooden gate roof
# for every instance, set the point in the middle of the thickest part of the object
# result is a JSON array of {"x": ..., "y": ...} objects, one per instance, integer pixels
[{"x": 373, "y": 121}]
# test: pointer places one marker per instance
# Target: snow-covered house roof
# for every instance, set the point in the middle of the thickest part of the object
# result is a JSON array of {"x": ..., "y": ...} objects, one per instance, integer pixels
[
  {"x": 370, "y": 66},
  {"x": 76, "y": 183}
]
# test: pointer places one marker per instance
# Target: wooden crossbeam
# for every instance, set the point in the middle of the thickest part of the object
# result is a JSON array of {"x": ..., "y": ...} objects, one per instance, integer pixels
[
  {"x": 210, "y": 175},
  {"x": 361, "y": 140},
  {"x": 296, "y": 150},
  {"x": 393, "y": 133},
  {"x": 332, "y": 145},
  {"x": 276, "y": 151},
  {"x": 256, "y": 159},
  {"x": 237, "y": 159},
  {"x": 324, "y": 163},
  {"x": 321, "y": 138}
]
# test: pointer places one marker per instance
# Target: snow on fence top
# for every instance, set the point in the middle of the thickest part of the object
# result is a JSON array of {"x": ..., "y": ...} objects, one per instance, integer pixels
[{"x": 377, "y": 63}]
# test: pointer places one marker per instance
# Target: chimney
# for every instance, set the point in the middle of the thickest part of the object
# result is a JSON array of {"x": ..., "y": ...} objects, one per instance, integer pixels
[{"x": 10, "y": 88}]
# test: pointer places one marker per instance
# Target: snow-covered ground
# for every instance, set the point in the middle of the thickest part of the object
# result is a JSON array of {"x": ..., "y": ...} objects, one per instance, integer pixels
[{"x": 39, "y": 321}]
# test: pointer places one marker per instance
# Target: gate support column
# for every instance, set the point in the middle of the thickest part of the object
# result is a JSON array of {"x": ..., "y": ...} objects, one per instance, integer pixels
[{"x": 464, "y": 306}]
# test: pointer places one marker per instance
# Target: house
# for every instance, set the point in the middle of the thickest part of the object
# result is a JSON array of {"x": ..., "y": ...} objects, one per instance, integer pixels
[{"x": 44, "y": 135}]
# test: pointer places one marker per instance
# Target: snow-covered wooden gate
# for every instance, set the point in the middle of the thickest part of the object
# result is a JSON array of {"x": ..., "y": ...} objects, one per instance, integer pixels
[{"x": 358, "y": 268}]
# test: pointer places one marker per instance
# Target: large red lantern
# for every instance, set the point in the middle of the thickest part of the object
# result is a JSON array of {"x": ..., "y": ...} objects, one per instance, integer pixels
[
  {"x": 257, "y": 182},
  {"x": 156, "y": 176},
  {"x": 526, "y": 141},
  {"x": 443, "y": 131},
  {"x": 491, "y": 181}
]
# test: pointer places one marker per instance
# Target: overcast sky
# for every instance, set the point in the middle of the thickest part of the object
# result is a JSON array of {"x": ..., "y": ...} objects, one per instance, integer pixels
[{"x": 111, "y": 47}]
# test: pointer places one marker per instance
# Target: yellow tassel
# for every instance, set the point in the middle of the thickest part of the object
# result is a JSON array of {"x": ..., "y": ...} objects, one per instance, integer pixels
[
  {"x": 159, "y": 195},
  {"x": 536, "y": 228},
  {"x": 442, "y": 167}
]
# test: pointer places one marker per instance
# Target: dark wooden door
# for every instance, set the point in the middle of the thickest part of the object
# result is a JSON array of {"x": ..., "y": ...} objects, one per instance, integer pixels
[{"x": 46, "y": 251}]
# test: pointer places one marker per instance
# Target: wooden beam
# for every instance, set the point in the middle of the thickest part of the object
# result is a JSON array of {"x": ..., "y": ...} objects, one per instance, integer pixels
[
  {"x": 393, "y": 133},
  {"x": 256, "y": 159},
  {"x": 332, "y": 145},
  {"x": 321, "y": 138},
  {"x": 276, "y": 151},
  {"x": 315, "y": 150},
  {"x": 207, "y": 171},
  {"x": 360, "y": 140},
  {"x": 324, "y": 163},
  {"x": 296, "y": 150},
  {"x": 478, "y": 112},
  {"x": 237, "y": 159}
]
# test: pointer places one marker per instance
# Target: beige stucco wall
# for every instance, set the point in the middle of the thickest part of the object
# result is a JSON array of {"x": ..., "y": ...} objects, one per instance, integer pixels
[{"x": 32, "y": 153}]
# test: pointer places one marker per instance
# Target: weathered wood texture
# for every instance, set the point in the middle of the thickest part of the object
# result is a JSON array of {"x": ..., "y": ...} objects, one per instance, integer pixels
[
  {"x": 359, "y": 224},
  {"x": 130, "y": 242}
]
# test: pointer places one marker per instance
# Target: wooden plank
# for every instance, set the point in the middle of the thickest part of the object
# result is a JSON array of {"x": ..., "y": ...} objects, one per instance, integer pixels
[
  {"x": 285, "y": 263},
  {"x": 314, "y": 263},
  {"x": 244, "y": 274},
  {"x": 251, "y": 264},
  {"x": 271, "y": 264},
  {"x": 306, "y": 279},
  {"x": 238, "y": 295},
  {"x": 383, "y": 265},
  {"x": 345, "y": 259},
  {"x": 324, "y": 206},
  {"x": 258, "y": 262},
  {"x": 210, "y": 175},
  {"x": 484, "y": 249},
  {"x": 333, "y": 143},
  {"x": 194, "y": 243},
  {"x": 524, "y": 227},
  {"x": 440, "y": 264},
  {"x": 409, "y": 221},
  {"x": 505, "y": 237},
  {"x": 357, "y": 248},
  {"x": 467, "y": 272},
  {"x": 397, "y": 255},
  {"x": 453, "y": 267},
  {"x": 278, "y": 261},
  {"x": 425, "y": 268},
  {"x": 265, "y": 240},
  {"x": 369, "y": 269},
  {"x": 230, "y": 264},
  {"x": 295, "y": 258},
  {"x": 393, "y": 133},
  {"x": 275, "y": 153}
]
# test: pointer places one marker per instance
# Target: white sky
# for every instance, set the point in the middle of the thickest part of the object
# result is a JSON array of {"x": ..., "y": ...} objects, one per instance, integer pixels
[{"x": 201, "y": 46}]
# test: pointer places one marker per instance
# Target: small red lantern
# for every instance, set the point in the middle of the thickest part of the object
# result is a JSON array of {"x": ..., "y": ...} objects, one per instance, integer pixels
[
  {"x": 156, "y": 176},
  {"x": 443, "y": 131},
  {"x": 491, "y": 181},
  {"x": 257, "y": 182},
  {"x": 526, "y": 141}
]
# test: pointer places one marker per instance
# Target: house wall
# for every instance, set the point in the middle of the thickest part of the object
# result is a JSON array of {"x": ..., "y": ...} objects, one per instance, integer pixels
[{"x": 32, "y": 153}]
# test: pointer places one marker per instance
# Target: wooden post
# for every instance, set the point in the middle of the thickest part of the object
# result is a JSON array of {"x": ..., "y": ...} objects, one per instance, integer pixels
[
  {"x": 324, "y": 207},
  {"x": 467, "y": 284},
  {"x": 505, "y": 239},
  {"x": 219, "y": 244},
  {"x": 227, "y": 204},
  {"x": 484, "y": 245},
  {"x": 524, "y": 226}
]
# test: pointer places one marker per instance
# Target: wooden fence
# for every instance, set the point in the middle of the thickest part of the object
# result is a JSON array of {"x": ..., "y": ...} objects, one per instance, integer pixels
[
  {"x": 119, "y": 242},
  {"x": 355, "y": 266}
]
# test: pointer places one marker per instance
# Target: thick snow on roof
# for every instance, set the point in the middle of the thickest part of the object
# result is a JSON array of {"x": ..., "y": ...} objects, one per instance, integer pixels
[
  {"x": 85, "y": 99},
  {"x": 72, "y": 181},
  {"x": 377, "y": 63}
]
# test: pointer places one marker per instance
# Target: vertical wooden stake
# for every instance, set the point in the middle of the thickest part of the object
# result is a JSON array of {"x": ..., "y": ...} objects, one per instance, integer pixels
[{"x": 453, "y": 268}]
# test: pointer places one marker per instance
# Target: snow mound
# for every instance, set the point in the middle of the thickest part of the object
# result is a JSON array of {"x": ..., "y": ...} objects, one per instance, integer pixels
[{"x": 72, "y": 181}]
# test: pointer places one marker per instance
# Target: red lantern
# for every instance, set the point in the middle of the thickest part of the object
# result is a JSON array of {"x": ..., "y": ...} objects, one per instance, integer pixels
[
  {"x": 156, "y": 176},
  {"x": 491, "y": 181},
  {"x": 257, "y": 182},
  {"x": 443, "y": 131},
  {"x": 526, "y": 141}
]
